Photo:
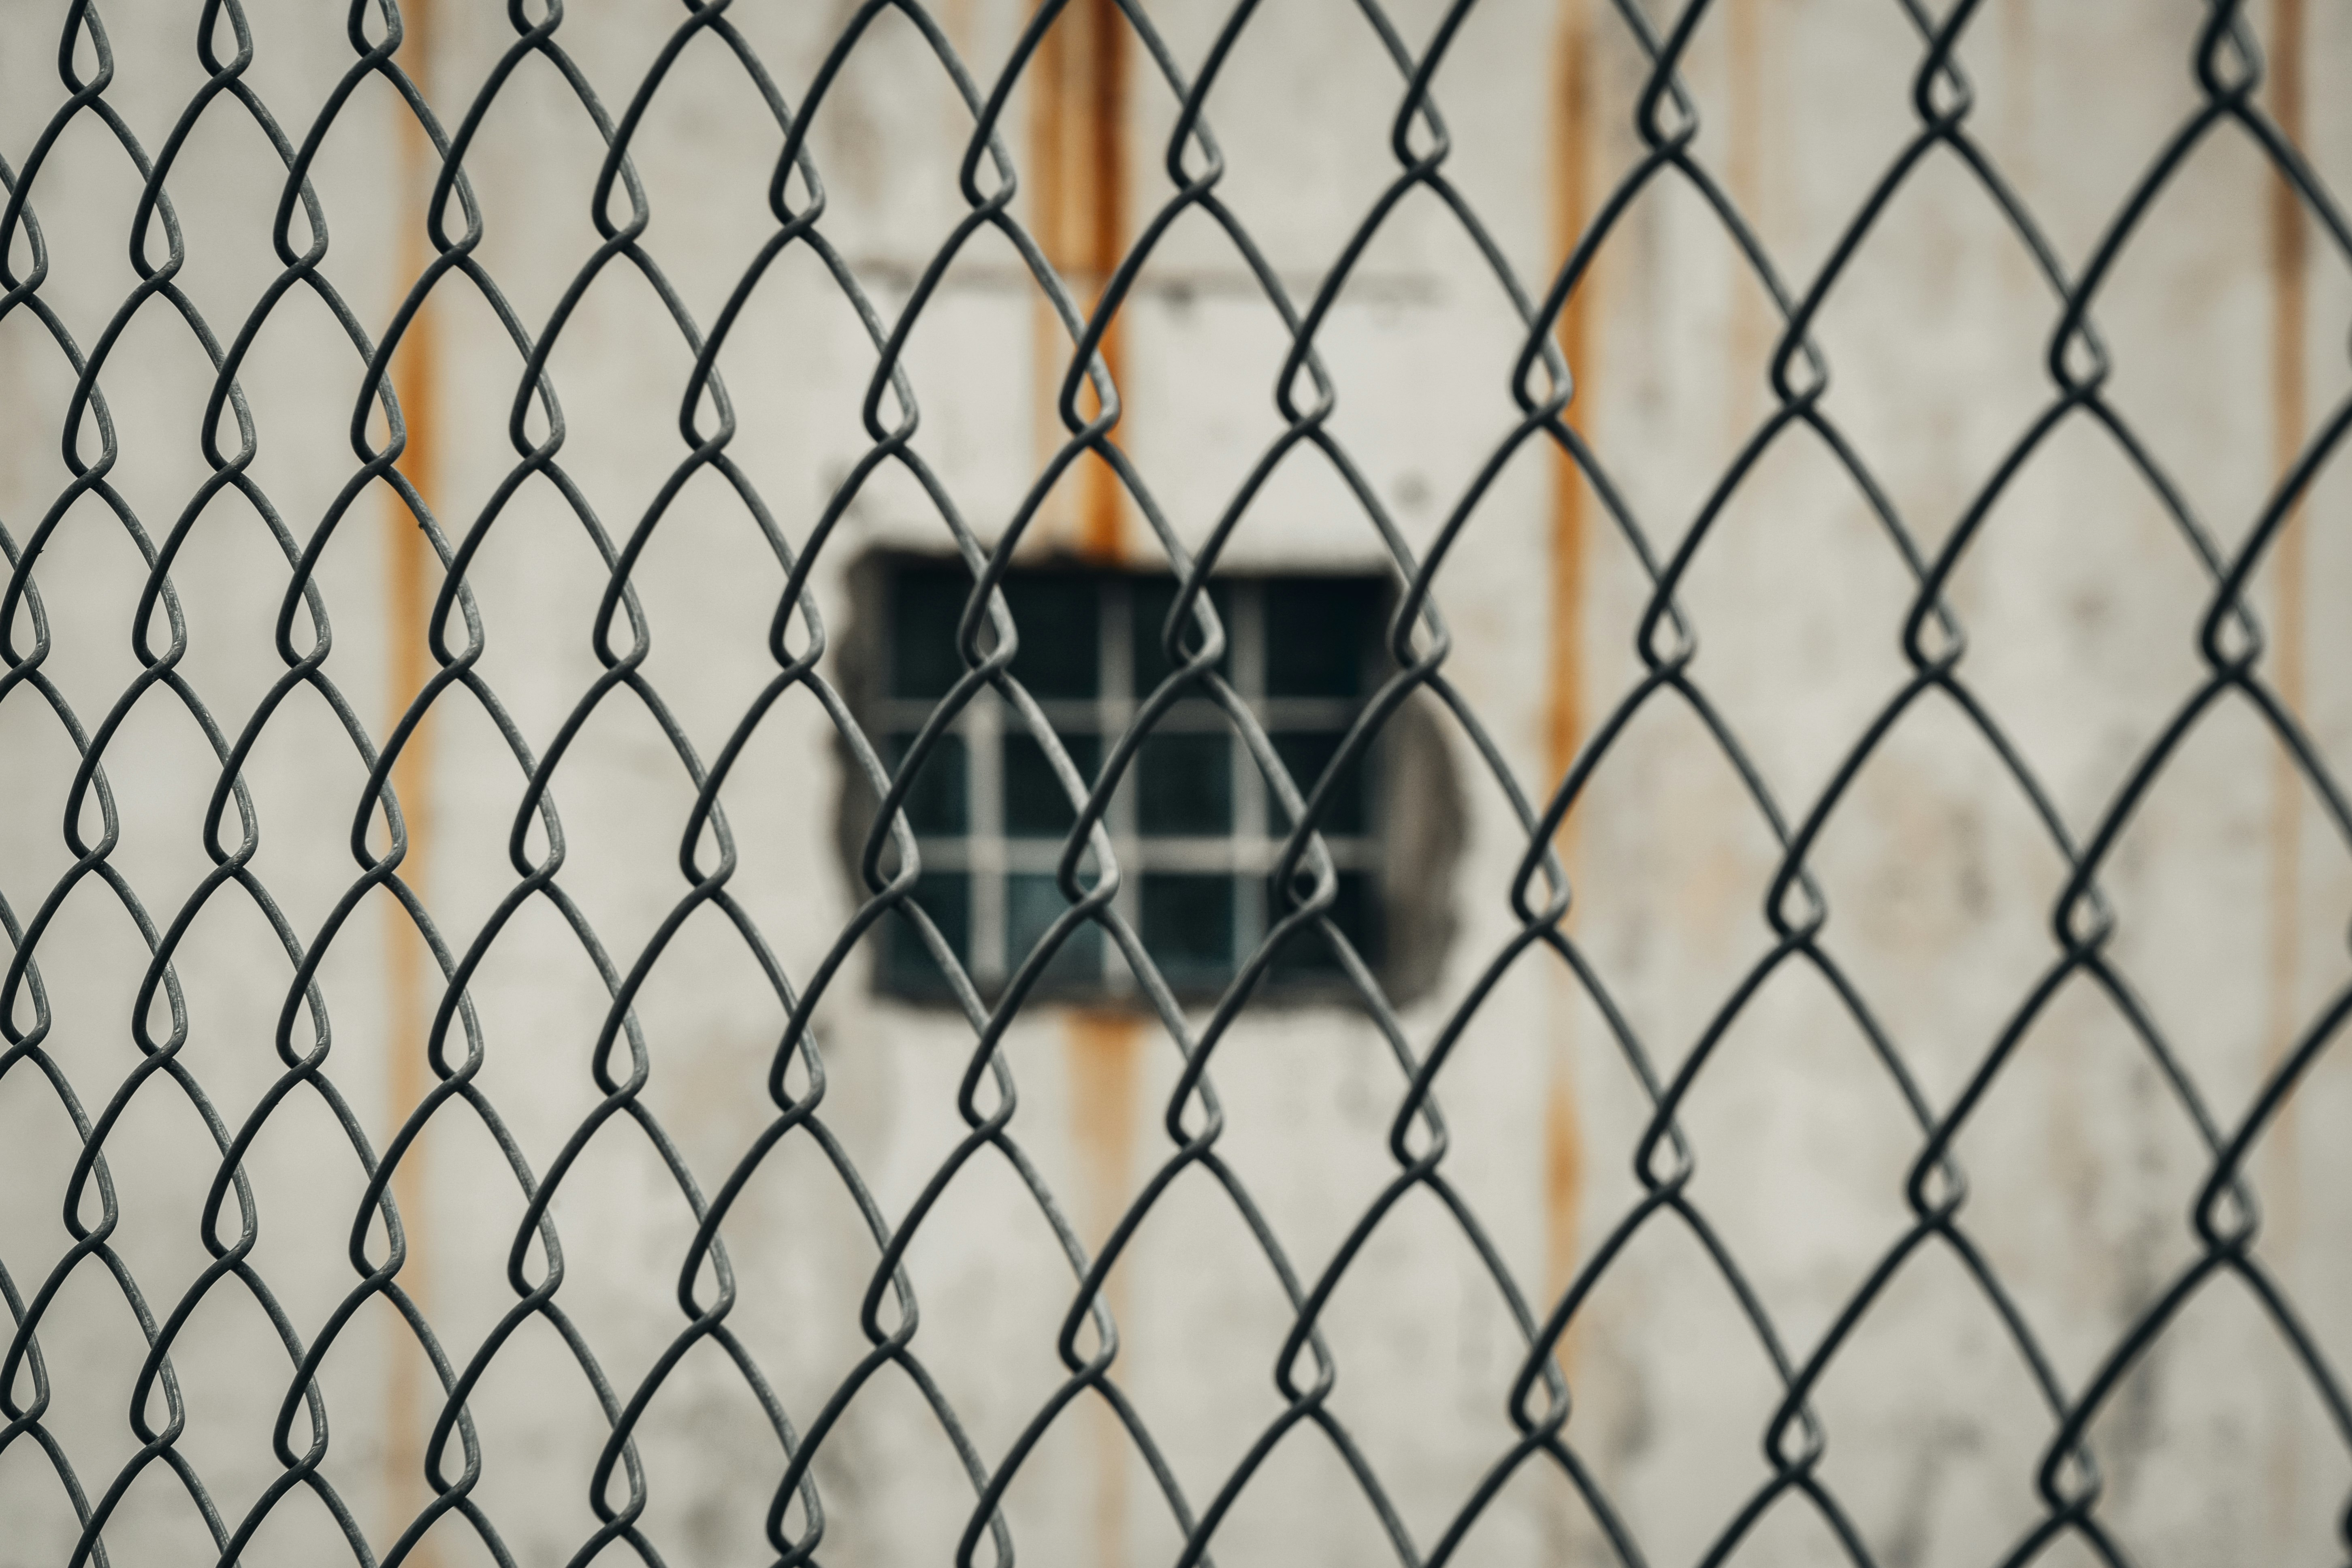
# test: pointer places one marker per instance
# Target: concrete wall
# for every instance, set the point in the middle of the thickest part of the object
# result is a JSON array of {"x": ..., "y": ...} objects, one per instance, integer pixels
[{"x": 2081, "y": 596}]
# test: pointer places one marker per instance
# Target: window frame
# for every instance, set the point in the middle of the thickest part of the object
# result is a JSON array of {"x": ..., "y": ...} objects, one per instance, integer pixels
[{"x": 989, "y": 855}]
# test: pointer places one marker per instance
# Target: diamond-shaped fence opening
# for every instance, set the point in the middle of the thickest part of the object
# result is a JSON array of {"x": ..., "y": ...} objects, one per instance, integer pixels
[{"x": 1534, "y": 780}]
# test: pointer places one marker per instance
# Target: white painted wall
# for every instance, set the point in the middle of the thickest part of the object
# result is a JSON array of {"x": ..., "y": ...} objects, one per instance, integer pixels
[{"x": 2081, "y": 600}]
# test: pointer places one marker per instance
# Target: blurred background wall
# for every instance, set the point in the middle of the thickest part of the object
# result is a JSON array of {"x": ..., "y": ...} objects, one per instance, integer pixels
[{"x": 2082, "y": 593}]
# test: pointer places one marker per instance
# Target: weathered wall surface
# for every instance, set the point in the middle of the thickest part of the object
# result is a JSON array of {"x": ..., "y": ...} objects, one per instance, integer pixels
[{"x": 2081, "y": 595}]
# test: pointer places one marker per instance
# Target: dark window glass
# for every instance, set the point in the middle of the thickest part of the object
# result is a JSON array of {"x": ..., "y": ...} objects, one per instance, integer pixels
[
  {"x": 1031, "y": 905},
  {"x": 938, "y": 800},
  {"x": 1306, "y": 753},
  {"x": 926, "y": 603},
  {"x": 1307, "y": 952},
  {"x": 1154, "y": 598},
  {"x": 1304, "y": 651},
  {"x": 1318, "y": 634},
  {"x": 1187, "y": 925},
  {"x": 1184, "y": 784},
  {"x": 946, "y": 896},
  {"x": 1037, "y": 805},
  {"x": 1058, "y": 619}
]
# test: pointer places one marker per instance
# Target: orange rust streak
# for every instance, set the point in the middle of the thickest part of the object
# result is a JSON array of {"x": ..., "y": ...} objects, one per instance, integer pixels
[
  {"x": 1106, "y": 1044},
  {"x": 1566, "y": 710},
  {"x": 1106, "y": 1053},
  {"x": 1102, "y": 515},
  {"x": 955, "y": 20},
  {"x": 2290, "y": 314},
  {"x": 1048, "y": 342},
  {"x": 408, "y": 962},
  {"x": 1563, "y": 1173},
  {"x": 1563, "y": 1179},
  {"x": 1077, "y": 127},
  {"x": 1078, "y": 130}
]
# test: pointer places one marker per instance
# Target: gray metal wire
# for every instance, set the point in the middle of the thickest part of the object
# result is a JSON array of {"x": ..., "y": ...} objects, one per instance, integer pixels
[{"x": 2227, "y": 71}]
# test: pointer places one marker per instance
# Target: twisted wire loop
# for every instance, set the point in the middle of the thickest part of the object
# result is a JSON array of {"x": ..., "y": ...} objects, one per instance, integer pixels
[{"x": 1671, "y": 152}]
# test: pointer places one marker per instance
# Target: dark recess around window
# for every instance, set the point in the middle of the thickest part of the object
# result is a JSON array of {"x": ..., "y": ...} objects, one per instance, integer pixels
[{"x": 1196, "y": 827}]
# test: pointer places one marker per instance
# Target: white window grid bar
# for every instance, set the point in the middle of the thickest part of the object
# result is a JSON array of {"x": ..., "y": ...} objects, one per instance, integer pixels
[
  {"x": 983, "y": 729},
  {"x": 1247, "y": 633},
  {"x": 1115, "y": 710}
]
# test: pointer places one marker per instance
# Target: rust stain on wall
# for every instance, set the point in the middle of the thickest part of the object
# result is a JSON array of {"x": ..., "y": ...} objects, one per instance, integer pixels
[
  {"x": 1565, "y": 714},
  {"x": 1077, "y": 169},
  {"x": 1106, "y": 1054},
  {"x": 1563, "y": 1167},
  {"x": 2290, "y": 313},
  {"x": 409, "y": 969}
]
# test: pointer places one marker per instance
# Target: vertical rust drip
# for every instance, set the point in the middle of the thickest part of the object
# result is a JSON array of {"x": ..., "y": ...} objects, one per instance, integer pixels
[
  {"x": 1102, "y": 524},
  {"x": 1563, "y": 1173},
  {"x": 408, "y": 962},
  {"x": 1078, "y": 130},
  {"x": 2289, "y": 322},
  {"x": 2289, "y": 412},
  {"x": 1078, "y": 167},
  {"x": 1105, "y": 1051},
  {"x": 1048, "y": 348},
  {"x": 1572, "y": 120}
]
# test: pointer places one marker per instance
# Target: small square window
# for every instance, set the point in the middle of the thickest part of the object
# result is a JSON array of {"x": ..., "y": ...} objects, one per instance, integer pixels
[
  {"x": 1305, "y": 756},
  {"x": 927, "y": 605},
  {"x": 937, "y": 801},
  {"x": 1058, "y": 619},
  {"x": 1037, "y": 803},
  {"x": 1154, "y": 601},
  {"x": 1322, "y": 633},
  {"x": 1187, "y": 925},
  {"x": 1184, "y": 784},
  {"x": 1309, "y": 951},
  {"x": 946, "y": 898},
  {"x": 1195, "y": 827},
  {"x": 1031, "y": 904}
]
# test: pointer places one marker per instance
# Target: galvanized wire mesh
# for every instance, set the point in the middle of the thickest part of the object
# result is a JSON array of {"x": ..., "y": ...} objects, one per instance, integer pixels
[{"x": 2225, "y": 1221}]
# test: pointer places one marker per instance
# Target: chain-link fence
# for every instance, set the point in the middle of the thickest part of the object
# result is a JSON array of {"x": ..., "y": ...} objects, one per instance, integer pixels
[{"x": 898, "y": 783}]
